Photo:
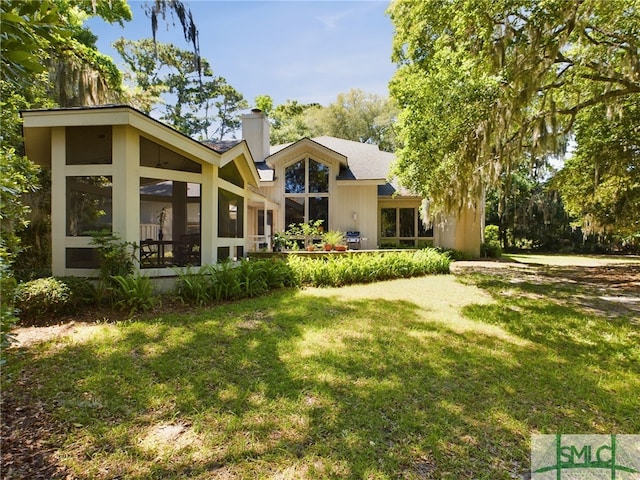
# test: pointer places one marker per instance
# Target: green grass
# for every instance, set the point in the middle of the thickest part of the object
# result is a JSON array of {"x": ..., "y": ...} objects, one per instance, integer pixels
[{"x": 414, "y": 378}]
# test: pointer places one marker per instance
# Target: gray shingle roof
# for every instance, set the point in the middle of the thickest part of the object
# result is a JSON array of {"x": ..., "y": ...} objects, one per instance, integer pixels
[{"x": 221, "y": 146}]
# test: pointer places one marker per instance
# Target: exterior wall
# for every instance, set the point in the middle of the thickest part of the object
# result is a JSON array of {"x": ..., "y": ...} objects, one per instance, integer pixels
[
  {"x": 345, "y": 199},
  {"x": 360, "y": 202}
]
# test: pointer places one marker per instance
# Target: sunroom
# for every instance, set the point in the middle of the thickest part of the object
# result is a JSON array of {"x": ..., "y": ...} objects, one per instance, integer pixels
[{"x": 117, "y": 170}]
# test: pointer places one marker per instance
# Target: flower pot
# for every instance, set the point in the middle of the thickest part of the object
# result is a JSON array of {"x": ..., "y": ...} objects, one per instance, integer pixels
[
  {"x": 328, "y": 247},
  {"x": 340, "y": 248}
]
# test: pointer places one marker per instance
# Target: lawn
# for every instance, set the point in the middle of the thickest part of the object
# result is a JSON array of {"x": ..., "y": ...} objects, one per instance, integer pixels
[{"x": 442, "y": 377}]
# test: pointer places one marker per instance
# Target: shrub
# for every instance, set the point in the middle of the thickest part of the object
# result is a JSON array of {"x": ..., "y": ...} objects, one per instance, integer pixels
[
  {"x": 366, "y": 268},
  {"x": 134, "y": 292},
  {"x": 42, "y": 298},
  {"x": 116, "y": 259},
  {"x": 194, "y": 286},
  {"x": 491, "y": 246},
  {"x": 82, "y": 291},
  {"x": 230, "y": 281},
  {"x": 47, "y": 297}
]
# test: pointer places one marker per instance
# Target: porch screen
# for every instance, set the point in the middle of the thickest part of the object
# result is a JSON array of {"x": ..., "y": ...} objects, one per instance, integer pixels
[
  {"x": 230, "y": 214},
  {"x": 89, "y": 205}
]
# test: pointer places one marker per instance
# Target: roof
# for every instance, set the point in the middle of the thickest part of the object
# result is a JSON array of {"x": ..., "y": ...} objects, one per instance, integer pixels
[
  {"x": 364, "y": 161},
  {"x": 221, "y": 146}
]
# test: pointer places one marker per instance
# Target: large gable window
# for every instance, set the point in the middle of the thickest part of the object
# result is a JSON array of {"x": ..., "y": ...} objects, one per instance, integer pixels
[{"x": 306, "y": 188}]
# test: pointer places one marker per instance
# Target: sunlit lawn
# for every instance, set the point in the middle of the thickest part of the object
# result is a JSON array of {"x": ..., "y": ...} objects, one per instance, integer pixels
[{"x": 418, "y": 378}]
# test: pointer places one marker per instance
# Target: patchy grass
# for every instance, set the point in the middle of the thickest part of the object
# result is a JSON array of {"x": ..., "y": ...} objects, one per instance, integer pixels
[{"x": 414, "y": 378}]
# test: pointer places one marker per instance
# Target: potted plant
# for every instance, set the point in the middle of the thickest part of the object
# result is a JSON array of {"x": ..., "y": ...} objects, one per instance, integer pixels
[
  {"x": 280, "y": 241},
  {"x": 331, "y": 238}
]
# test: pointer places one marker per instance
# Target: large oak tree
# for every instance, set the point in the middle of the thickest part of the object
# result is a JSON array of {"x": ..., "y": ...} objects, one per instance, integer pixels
[{"x": 486, "y": 85}]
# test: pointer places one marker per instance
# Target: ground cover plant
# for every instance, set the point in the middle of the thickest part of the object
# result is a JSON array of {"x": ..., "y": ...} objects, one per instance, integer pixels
[{"x": 432, "y": 377}]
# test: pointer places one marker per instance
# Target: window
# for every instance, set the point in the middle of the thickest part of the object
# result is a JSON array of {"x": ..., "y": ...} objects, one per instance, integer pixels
[
  {"x": 402, "y": 226},
  {"x": 261, "y": 220},
  {"x": 388, "y": 222},
  {"x": 230, "y": 214},
  {"x": 89, "y": 205},
  {"x": 157, "y": 156},
  {"x": 231, "y": 174},
  {"x": 407, "y": 222},
  {"x": 88, "y": 145},
  {"x": 306, "y": 188},
  {"x": 169, "y": 223}
]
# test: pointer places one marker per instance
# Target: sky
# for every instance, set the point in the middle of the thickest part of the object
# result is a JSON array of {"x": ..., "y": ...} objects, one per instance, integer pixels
[{"x": 309, "y": 51}]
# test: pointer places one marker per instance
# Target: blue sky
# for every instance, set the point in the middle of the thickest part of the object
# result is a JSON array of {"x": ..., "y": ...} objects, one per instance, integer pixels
[{"x": 308, "y": 51}]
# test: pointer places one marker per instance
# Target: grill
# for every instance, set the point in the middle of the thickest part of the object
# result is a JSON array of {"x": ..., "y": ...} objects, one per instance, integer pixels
[{"x": 353, "y": 240}]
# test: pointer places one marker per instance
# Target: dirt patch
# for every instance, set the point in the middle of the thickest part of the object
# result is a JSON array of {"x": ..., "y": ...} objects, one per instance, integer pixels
[{"x": 26, "y": 435}]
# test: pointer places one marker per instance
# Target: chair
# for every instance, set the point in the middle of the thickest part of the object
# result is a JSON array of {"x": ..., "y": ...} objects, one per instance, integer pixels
[
  {"x": 187, "y": 251},
  {"x": 148, "y": 253}
]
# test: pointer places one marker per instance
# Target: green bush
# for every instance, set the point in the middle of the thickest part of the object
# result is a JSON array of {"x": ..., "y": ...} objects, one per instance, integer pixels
[
  {"x": 365, "y": 268},
  {"x": 133, "y": 292},
  {"x": 41, "y": 298},
  {"x": 231, "y": 281},
  {"x": 491, "y": 246}
]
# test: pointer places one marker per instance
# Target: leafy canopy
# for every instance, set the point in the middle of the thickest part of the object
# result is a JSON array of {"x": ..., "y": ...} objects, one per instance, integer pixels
[
  {"x": 600, "y": 183},
  {"x": 487, "y": 84}
]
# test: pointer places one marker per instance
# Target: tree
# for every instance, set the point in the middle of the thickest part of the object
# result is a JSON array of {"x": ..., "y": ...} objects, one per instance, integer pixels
[
  {"x": 289, "y": 121},
  {"x": 600, "y": 182},
  {"x": 486, "y": 85},
  {"x": 159, "y": 8},
  {"x": 358, "y": 116},
  {"x": 194, "y": 101}
]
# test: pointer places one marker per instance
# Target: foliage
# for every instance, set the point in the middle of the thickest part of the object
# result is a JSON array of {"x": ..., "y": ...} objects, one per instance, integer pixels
[
  {"x": 159, "y": 8},
  {"x": 358, "y": 116},
  {"x": 39, "y": 300},
  {"x": 116, "y": 259},
  {"x": 42, "y": 297},
  {"x": 600, "y": 182},
  {"x": 355, "y": 115},
  {"x": 348, "y": 269},
  {"x": 8, "y": 313},
  {"x": 484, "y": 85},
  {"x": 29, "y": 30},
  {"x": 194, "y": 100},
  {"x": 133, "y": 292},
  {"x": 529, "y": 213},
  {"x": 333, "y": 237},
  {"x": 288, "y": 120},
  {"x": 17, "y": 176},
  {"x": 491, "y": 245},
  {"x": 229, "y": 281},
  {"x": 305, "y": 232}
]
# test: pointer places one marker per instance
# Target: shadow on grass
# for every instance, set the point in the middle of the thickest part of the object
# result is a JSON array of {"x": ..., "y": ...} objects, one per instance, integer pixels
[{"x": 314, "y": 387}]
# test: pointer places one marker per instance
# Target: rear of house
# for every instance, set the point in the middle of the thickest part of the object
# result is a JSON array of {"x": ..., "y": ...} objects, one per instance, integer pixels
[{"x": 185, "y": 202}]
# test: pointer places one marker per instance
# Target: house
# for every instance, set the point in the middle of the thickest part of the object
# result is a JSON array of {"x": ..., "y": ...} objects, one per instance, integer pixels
[{"x": 189, "y": 202}]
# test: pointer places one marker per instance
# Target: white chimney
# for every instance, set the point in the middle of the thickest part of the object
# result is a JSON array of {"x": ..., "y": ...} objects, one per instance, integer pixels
[{"x": 255, "y": 130}]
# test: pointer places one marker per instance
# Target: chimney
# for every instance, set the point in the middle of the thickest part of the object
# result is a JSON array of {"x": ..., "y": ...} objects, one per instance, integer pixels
[{"x": 255, "y": 130}]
